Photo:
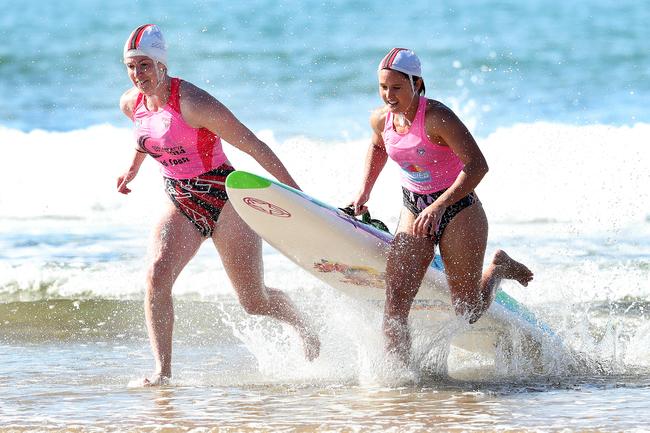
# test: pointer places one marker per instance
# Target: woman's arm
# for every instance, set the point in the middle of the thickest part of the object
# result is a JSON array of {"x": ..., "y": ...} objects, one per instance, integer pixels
[
  {"x": 202, "y": 110},
  {"x": 376, "y": 158},
  {"x": 444, "y": 127},
  {"x": 126, "y": 105},
  {"x": 131, "y": 172}
]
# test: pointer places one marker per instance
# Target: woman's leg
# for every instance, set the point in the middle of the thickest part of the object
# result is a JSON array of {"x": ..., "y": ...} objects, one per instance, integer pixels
[
  {"x": 175, "y": 240},
  {"x": 240, "y": 249},
  {"x": 408, "y": 259},
  {"x": 462, "y": 247}
]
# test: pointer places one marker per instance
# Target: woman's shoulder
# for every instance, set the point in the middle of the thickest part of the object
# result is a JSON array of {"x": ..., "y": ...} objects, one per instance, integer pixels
[
  {"x": 378, "y": 117},
  {"x": 436, "y": 107},
  {"x": 128, "y": 101},
  {"x": 439, "y": 113},
  {"x": 193, "y": 97},
  {"x": 189, "y": 91},
  {"x": 198, "y": 107},
  {"x": 440, "y": 118}
]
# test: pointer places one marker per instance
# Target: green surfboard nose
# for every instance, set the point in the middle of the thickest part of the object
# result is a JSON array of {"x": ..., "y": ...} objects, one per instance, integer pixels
[{"x": 244, "y": 180}]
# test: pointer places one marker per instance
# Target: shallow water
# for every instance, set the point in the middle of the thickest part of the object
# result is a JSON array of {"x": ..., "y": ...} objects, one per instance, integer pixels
[
  {"x": 84, "y": 386},
  {"x": 83, "y": 374}
]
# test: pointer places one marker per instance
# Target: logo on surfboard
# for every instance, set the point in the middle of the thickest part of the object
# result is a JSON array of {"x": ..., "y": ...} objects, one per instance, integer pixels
[
  {"x": 353, "y": 274},
  {"x": 266, "y": 207}
]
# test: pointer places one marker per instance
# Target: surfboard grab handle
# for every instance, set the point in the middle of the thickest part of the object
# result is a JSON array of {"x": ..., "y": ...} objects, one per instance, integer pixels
[{"x": 366, "y": 219}]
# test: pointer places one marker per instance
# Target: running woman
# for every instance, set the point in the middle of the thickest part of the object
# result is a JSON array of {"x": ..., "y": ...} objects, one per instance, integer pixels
[
  {"x": 181, "y": 126},
  {"x": 441, "y": 165}
]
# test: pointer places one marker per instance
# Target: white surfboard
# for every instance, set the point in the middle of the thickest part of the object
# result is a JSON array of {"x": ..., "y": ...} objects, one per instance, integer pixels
[{"x": 351, "y": 257}]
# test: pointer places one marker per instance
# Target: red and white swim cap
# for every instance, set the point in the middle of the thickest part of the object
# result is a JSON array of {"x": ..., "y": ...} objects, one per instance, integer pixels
[
  {"x": 402, "y": 60},
  {"x": 147, "y": 40}
]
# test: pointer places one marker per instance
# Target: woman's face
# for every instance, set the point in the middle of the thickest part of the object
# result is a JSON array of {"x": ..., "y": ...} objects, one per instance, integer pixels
[
  {"x": 395, "y": 90},
  {"x": 142, "y": 72}
]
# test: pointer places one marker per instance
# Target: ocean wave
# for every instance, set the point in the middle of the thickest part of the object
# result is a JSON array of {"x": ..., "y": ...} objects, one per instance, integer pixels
[
  {"x": 567, "y": 198},
  {"x": 539, "y": 172}
]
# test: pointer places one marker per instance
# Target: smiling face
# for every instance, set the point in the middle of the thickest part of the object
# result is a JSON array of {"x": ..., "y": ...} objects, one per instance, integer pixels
[
  {"x": 143, "y": 74},
  {"x": 395, "y": 90}
]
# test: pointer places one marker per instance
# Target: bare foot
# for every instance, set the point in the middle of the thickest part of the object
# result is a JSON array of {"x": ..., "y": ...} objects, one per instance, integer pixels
[
  {"x": 310, "y": 343},
  {"x": 157, "y": 379},
  {"x": 507, "y": 268}
]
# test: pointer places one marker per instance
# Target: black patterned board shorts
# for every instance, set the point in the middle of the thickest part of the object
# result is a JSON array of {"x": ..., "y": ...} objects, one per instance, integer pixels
[
  {"x": 416, "y": 203},
  {"x": 201, "y": 198}
]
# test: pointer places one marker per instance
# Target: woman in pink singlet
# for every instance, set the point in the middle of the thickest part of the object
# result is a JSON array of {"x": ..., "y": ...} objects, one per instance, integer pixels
[
  {"x": 441, "y": 165},
  {"x": 181, "y": 127}
]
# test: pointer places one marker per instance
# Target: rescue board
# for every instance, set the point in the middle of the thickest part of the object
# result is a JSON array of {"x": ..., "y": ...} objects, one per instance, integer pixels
[{"x": 350, "y": 256}]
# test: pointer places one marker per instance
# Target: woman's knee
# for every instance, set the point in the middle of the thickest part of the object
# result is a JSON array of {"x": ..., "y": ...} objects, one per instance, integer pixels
[
  {"x": 407, "y": 265},
  {"x": 255, "y": 304},
  {"x": 467, "y": 301},
  {"x": 399, "y": 299},
  {"x": 161, "y": 273}
]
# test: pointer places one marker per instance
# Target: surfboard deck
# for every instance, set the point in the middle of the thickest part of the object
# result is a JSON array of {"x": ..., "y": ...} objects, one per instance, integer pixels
[{"x": 350, "y": 256}]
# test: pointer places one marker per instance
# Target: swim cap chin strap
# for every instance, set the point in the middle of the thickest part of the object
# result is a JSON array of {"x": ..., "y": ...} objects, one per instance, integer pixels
[
  {"x": 159, "y": 74},
  {"x": 412, "y": 83}
]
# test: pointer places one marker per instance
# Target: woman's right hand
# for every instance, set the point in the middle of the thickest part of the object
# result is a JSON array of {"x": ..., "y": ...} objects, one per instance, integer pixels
[
  {"x": 122, "y": 181},
  {"x": 359, "y": 204}
]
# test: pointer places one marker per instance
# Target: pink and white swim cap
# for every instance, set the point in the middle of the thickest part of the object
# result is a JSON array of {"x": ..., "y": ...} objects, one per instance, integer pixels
[
  {"x": 402, "y": 60},
  {"x": 405, "y": 61},
  {"x": 147, "y": 40}
]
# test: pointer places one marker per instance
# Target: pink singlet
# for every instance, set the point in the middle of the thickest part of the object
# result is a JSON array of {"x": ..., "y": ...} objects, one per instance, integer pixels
[
  {"x": 183, "y": 152},
  {"x": 426, "y": 167}
]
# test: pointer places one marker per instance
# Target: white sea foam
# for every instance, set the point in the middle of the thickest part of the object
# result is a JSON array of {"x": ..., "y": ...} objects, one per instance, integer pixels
[
  {"x": 570, "y": 201},
  {"x": 539, "y": 172}
]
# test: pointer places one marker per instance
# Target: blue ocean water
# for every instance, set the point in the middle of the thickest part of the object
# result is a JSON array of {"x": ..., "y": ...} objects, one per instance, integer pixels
[
  {"x": 308, "y": 67},
  {"x": 555, "y": 93}
]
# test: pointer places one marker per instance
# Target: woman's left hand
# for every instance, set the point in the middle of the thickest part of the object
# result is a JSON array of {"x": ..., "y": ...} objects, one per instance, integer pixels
[{"x": 428, "y": 221}]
